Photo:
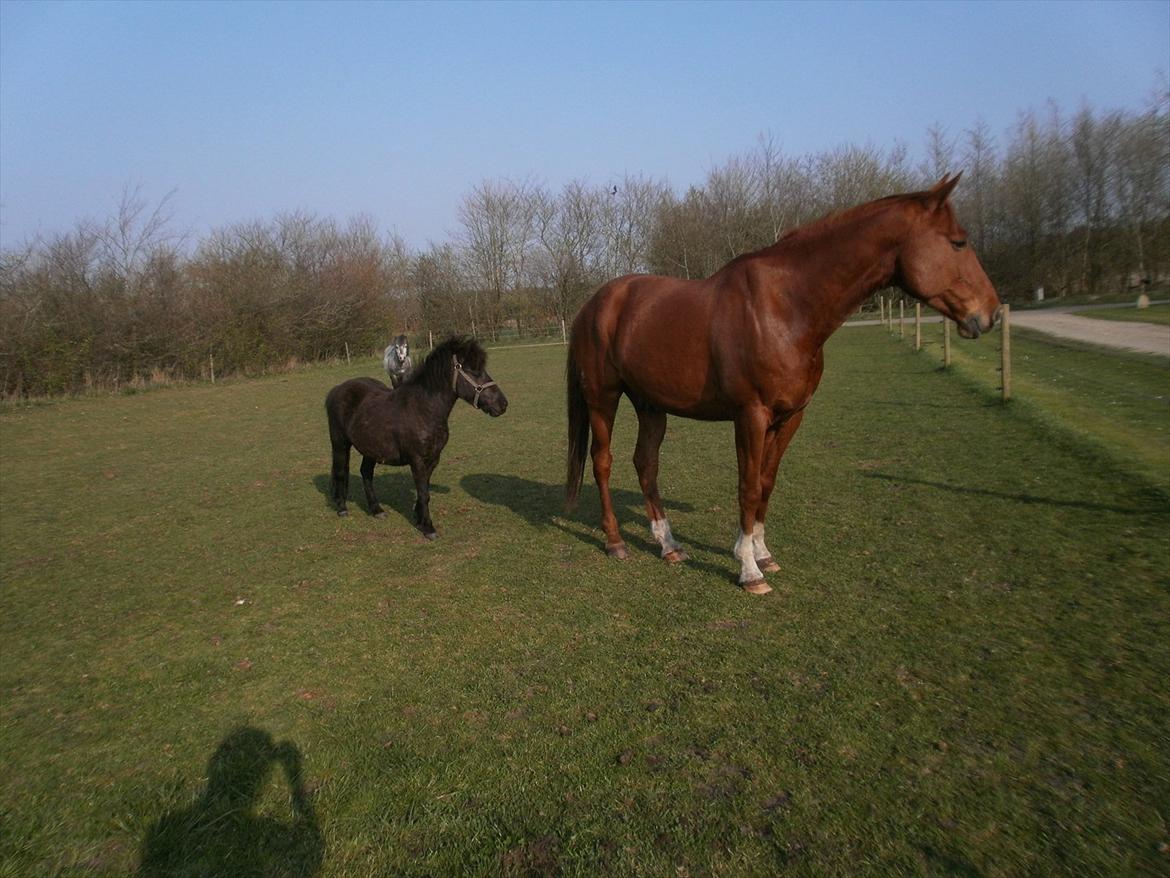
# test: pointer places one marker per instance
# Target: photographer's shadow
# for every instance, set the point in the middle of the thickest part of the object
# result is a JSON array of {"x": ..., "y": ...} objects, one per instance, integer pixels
[{"x": 222, "y": 834}]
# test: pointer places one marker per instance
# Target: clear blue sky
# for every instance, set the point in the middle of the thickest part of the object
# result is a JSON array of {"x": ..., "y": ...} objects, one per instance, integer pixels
[{"x": 397, "y": 109}]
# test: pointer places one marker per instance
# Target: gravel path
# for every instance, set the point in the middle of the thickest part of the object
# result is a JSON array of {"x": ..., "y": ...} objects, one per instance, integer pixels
[{"x": 1148, "y": 338}]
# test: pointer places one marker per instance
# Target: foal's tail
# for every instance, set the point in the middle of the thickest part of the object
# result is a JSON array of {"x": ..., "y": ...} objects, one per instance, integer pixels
[{"x": 578, "y": 430}]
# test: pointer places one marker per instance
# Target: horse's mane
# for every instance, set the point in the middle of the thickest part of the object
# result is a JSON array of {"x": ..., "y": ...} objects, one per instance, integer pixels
[
  {"x": 434, "y": 373},
  {"x": 850, "y": 214}
]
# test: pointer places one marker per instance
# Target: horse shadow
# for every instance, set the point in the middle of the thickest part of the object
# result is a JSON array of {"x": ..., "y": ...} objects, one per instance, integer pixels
[
  {"x": 543, "y": 505},
  {"x": 222, "y": 835},
  {"x": 394, "y": 488}
]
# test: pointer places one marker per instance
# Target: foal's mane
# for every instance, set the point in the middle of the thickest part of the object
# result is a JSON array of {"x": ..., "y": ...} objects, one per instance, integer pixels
[{"x": 434, "y": 373}]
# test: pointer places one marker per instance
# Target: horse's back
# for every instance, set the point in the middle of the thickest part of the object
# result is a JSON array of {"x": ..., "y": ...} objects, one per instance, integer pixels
[{"x": 343, "y": 399}]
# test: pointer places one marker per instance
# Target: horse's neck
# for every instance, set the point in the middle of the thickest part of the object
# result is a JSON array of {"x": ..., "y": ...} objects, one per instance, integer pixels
[{"x": 838, "y": 267}]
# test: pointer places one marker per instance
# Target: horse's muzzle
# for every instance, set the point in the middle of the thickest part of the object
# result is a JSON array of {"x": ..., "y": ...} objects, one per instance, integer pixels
[{"x": 974, "y": 326}]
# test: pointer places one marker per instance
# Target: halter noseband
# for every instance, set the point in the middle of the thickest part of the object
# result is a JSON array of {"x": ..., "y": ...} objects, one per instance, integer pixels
[{"x": 479, "y": 388}]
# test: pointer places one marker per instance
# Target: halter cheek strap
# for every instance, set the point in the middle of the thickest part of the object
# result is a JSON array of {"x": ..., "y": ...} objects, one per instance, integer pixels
[{"x": 479, "y": 388}]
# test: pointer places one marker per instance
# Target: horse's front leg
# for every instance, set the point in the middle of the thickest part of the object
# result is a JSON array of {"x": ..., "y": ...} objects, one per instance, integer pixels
[
  {"x": 372, "y": 504},
  {"x": 775, "y": 444},
  {"x": 750, "y": 438},
  {"x": 421, "y": 470}
]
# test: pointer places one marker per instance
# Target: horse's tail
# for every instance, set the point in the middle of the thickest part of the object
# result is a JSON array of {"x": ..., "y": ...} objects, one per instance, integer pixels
[{"x": 578, "y": 430}]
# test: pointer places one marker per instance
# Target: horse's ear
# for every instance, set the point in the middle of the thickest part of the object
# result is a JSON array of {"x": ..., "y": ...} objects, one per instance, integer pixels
[{"x": 942, "y": 190}]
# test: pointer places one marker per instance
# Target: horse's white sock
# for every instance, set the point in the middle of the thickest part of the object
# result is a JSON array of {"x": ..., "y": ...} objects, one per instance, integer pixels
[
  {"x": 745, "y": 552},
  {"x": 660, "y": 527}
]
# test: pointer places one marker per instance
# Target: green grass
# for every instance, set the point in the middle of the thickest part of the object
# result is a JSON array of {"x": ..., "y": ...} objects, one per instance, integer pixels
[
  {"x": 962, "y": 669},
  {"x": 1117, "y": 401},
  {"x": 1159, "y": 314}
]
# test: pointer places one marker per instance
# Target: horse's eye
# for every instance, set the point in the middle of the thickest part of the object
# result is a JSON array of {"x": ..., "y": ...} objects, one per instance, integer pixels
[{"x": 959, "y": 245}]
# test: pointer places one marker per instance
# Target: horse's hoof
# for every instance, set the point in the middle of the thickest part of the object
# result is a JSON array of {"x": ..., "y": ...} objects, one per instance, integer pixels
[
  {"x": 433, "y": 535},
  {"x": 756, "y": 586},
  {"x": 617, "y": 550},
  {"x": 342, "y": 513},
  {"x": 675, "y": 557},
  {"x": 379, "y": 515},
  {"x": 768, "y": 565}
]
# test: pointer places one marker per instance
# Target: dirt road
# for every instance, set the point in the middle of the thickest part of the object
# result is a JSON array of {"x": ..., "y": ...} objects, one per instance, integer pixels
[{"x": 1149, "y": 338}]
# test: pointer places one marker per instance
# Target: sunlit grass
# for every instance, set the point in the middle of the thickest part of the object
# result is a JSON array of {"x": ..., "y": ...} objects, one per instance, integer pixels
[
  {"x": 1119, "y": 401},
  {"x": 961, "y": 671}
]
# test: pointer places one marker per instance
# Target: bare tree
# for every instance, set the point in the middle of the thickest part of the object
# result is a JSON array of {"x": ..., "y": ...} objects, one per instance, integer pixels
[
  {"x": 940, "y": 154},
  {"x": 629, "y": 214},
  {"x": 570, "y": 232},
  {"x": 498, "y": 220}
]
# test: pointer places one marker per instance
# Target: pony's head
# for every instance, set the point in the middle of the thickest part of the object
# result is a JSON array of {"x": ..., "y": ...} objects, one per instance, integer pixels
[
  {"x": 462, "y": 363},
  {"x": 401, "y": 347},
  {"x": 937, "y": 265}
]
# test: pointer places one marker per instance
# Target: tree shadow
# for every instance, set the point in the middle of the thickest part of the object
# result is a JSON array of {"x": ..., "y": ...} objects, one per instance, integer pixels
[
  {"x": 543, "y": 505},
  {"x": 394, "y": 489},
  {"x": 222, "y": 835},
  {"x": 1031, "y": 499}
]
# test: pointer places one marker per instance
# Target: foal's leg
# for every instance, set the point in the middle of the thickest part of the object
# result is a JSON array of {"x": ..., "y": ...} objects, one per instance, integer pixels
[
  {"x": 368, "y": 464},
  {"x": 651, "y": 430},
  {"x": 775, "y": 446},
  {"x": 601, "y": 424},
  {"x": 750, "y": 428},
  {"x": 421, "y": 470},
  {"x": 339, "y": 476}
]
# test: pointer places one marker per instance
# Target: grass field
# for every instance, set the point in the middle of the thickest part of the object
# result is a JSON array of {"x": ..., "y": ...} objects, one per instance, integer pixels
[
  {"x": 1159, "y": 314},
  {"x": 962, "y": 670},
  {"x": 1119, "y": 402}
]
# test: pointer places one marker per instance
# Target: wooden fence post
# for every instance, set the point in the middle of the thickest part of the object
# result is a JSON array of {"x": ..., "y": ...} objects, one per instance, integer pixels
[
  {"x": 430, "y": 339},
  {"x": 1006, "y": 351},
  {"x": 347, "y": 353},
  {"x": 882, "y": 310},
  {"x": 211, "y": 357},
  {"x": 901, "y": 318},
  {"x": 917, "y": 326},
  {"x": 946, "y": 343},
  {"x": 564, "y": 336}
]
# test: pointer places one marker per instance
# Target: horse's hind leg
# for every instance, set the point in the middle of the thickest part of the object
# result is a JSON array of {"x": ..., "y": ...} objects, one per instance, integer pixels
[
  {"x": 651, "y": 431},
  {"x": 339, "y": 476},
  {"x": 601, "y": 423},
  {"x": 368, "y": 464}
]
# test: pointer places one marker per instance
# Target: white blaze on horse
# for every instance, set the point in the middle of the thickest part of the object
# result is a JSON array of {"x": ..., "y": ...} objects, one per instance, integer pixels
[{"x": 396, "y": 359}]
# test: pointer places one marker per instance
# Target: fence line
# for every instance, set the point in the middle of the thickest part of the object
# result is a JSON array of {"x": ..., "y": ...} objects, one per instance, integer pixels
[{"x": 1005, "y": 368}]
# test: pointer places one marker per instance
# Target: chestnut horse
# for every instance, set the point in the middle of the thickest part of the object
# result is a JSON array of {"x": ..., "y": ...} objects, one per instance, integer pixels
[{"x": 753, "y": 335}]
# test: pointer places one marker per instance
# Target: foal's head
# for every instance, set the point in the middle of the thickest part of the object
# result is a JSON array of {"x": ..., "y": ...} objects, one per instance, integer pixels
[
  {"x": 463, "y": 364},
  {"x": 938, "y": 266}
]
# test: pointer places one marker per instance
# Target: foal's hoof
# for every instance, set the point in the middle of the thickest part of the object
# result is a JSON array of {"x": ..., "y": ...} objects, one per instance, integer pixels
[
  {"x": 617, "y": 550},
  {"x": 675, "y": 557},
  {"x": 342, "y": 513},
  {"x": 756, "y": 586},
  {"x": 768, "y": 565},
  {"x": 433, "y": 535},
  {"x": 379, "y": 515}
]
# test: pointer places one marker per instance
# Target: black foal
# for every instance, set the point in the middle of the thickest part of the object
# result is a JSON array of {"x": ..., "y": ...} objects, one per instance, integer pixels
[{"x": 407, "y": 426}]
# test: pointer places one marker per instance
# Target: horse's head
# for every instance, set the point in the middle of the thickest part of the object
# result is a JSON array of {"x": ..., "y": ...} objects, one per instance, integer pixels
[
  {"x": 401, "y": 348},
  {"x": 471, "y": 381},
  {"x": 937, "y": 265}
]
